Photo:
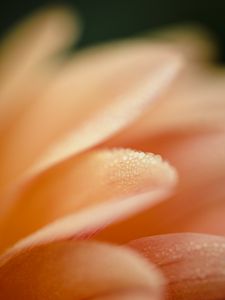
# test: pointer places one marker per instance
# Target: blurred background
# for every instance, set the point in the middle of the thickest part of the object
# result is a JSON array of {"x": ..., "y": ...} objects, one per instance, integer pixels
[{"x": 109, "y": 19}]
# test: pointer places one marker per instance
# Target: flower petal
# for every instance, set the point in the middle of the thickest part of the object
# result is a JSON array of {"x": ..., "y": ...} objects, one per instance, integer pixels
[
  {"x": 96, "y": 95},
  {"x": 77, "y": 270},
  {"x": 193, "y": 264},
  {"x": 23, "y": 59},
  {"x": 195, "y": 42},
  {"x": 194, "y": 102},
  {"x": 84, "y": 181},
  {"x": 198, "y": 204}
]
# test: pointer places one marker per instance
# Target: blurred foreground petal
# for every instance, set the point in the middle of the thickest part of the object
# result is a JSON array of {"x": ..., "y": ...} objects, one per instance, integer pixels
[
  {"x": 78, "y": 270},
  {"x": 83, "y": 182},
  {"x": 193, "y": 264}
]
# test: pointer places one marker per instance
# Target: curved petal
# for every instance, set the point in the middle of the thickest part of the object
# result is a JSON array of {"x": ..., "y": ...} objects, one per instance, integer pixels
[
  {"x": 199, "y": 201},
  {"x": 194, "y": 41},
  {"x": 192, "y": 263},
  {"x": 198, "y": 204},
  {"x": 85, "y": 181},
  {"x": 187, "y": 128},
  {"x": 24, "y": 59},
  {"x": 194, "y": 102},
  {"x": 78, "y": 270},
  {"x": 96, "y": 95},
  {"x": 28, "y": 64}
]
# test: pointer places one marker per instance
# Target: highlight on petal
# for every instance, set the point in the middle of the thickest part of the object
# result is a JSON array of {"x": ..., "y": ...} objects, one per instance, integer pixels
[
  {"x": 101, "y": 91},
  {"x": 198, "y": 204},
  {"x": 195, "y": 101},
  {"x": 86, "y": 194},
  {"x": 78, "y": 270},
  {"x": 193, "y": 264}
]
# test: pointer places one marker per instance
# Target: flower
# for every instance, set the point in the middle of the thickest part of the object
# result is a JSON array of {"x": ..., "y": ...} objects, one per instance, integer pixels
[{"x": 87, "y": 210}]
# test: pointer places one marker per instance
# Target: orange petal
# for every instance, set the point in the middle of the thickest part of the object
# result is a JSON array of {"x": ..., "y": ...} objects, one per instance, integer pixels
[
  {"x": 96, "y": 95},
  {"x": 192, "y": 263},
  {"x": 78, "y": 270},
  {"x": 86, "y": 180}
]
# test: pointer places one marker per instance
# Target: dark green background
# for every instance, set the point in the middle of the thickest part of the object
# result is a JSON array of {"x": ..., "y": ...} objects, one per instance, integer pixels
[{"x": 108, "y": 19}]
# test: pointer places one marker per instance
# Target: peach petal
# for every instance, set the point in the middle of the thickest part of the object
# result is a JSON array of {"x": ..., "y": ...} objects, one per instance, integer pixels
[
  {"x": 95, "y": 96},
  {"x": 27, "y": 68},
  {"x": 198, "y": 204},
  {"x": 200, "y": 160},
  {"x": 23, "y": 58},
  {"x": 193, "y": 264},
  {"x": 194, "y": 42},
  {"x": 77, "y": 270},
  {"x": 194, "y": 102},
  {"x": 86, "y": 181}
]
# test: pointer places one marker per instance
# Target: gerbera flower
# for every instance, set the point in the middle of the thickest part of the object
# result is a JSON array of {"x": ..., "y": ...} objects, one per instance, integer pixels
[{"x": 116, "y": 143}]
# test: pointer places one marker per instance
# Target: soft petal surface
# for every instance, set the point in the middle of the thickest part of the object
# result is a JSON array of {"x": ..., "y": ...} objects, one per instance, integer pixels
[
  {"x": 195, "y": 42},
  {"x": 194, "y": 102},
  {"x": 85, "y": 181},
  {"x": 30, "y": 59},
  {"x": 193, "y": 264},
  {"x": 78, "y": 270},
  {"x": 95, "y": 95},
  {"x": 198, "y": 204},
  {"x": 25, "y": 59}
]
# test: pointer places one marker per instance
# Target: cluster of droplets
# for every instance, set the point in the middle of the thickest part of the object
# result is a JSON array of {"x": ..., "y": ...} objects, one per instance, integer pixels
[
  {"x": 181, "y": 256},
  {"x": 135, "y": 171}
]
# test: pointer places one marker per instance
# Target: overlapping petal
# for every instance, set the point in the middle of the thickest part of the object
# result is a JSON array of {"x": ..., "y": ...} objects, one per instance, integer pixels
[
  {"x": 199, "y": 199},
  {"x": 84, "y": 182},
  {"x": 78, "y": 270},
  {"x": 193, "y": 140},
  {"x": 193, "y": 264},
  {"x": 28, "y": 60},
  {"x": 196, "y": 99},
  {"x": 94, "y": 96},
  {"x": 58, "y": 189}
]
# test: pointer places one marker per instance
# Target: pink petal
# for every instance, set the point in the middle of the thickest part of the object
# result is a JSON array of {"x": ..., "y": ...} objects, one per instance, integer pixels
[{"x": 193, "y": 264}]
